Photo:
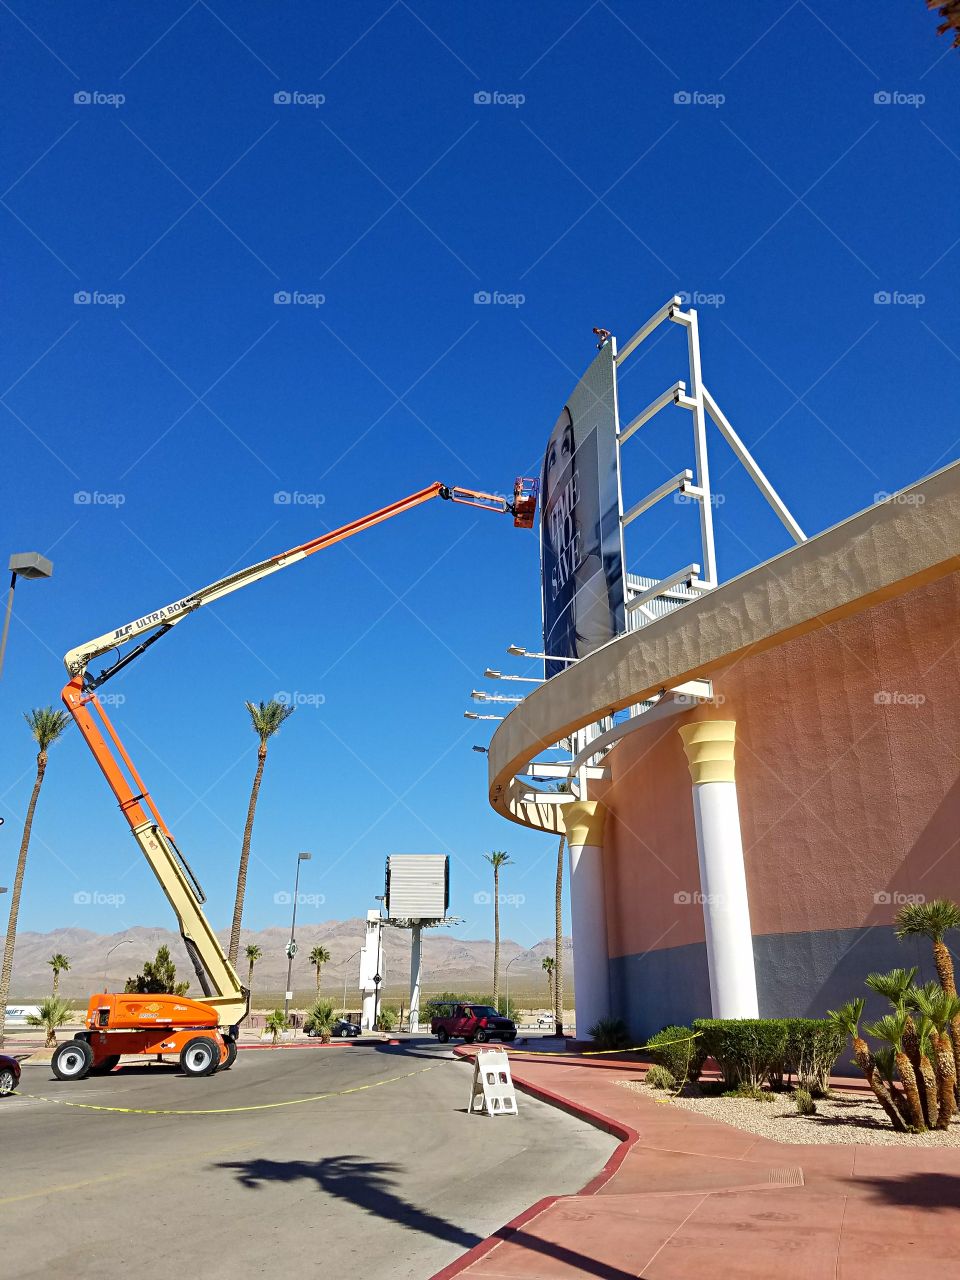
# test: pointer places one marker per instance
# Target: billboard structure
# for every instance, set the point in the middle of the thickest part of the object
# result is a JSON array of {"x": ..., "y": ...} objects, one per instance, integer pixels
[
  {"x": 417, "y": 896},
  {"x": 581, "y": 538}
]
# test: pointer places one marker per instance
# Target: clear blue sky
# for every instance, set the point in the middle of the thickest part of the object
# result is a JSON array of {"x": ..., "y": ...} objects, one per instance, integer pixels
[{"x": 797, "y": 198}]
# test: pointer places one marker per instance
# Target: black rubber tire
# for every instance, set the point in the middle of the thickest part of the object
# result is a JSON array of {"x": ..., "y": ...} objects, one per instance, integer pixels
[
  {"x": 232, "y": 1051},
  {"x": 509, "y": 1039},
  {"x": 481, "y": 1036},
  {"x": 7, "y": 1082},
  {"x": 72, "y": 1060},
  {"x": 105, "y": 1065},
  {"x": 443, "y": 1035},
  {"x": 200, "y": 1056}
]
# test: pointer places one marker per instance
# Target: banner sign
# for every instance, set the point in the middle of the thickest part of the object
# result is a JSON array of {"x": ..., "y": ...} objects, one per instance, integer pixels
[{"x": 581, "y": 541}]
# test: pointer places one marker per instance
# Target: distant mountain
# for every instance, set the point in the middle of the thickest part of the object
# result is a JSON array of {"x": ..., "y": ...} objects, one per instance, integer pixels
[{"x": 449, "y": 963}]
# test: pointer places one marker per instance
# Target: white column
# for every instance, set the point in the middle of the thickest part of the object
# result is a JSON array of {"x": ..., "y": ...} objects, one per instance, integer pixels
[
  {"x": 584, "y": 827},
  {"x": 709, "y": 746},
  {"x": 415, "y": 976}
]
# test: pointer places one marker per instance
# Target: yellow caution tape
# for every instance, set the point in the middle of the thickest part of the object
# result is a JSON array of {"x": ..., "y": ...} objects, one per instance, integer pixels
[{"x": 222, "y": 1111}]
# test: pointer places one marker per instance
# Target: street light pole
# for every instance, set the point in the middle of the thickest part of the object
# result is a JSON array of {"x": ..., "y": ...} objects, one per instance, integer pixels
[
  {"x": 346, "y": 974},
  {"x": 106, "y": 958},
  {"x": 378, "y": 976},
  {"x": 506, "y": 975},
  {"x": 29, "y": 564},
  {"x": 292, "y": 944}
]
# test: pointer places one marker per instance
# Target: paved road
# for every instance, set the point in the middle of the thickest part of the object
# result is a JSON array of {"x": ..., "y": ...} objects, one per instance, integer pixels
[{"x": 392, "y": 1180}]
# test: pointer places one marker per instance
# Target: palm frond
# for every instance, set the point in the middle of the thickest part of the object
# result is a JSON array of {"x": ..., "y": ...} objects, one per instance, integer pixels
[
  {"x": 927, "y": 919},
  {"x": 46, "y": 724},
  {"x": 267, "y": 717}
]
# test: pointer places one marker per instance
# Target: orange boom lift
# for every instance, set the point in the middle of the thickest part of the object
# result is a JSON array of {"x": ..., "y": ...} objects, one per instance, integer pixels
[{"x": 201, "y": 1033}]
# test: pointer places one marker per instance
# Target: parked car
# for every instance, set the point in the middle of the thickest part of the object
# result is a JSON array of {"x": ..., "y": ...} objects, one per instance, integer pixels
[
  {"x": 9, "y": 1074},
  {"x": 344, "y": 1029},
  {"x": 475, "y": 1023}
]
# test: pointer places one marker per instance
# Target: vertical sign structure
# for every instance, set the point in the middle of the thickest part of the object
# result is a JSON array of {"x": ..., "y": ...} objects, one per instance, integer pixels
[{"x": 581, "y": 539}]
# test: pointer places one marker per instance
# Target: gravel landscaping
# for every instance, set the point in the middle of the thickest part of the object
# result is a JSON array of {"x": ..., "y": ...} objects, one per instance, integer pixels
[{"x": 844, "y": 1118}]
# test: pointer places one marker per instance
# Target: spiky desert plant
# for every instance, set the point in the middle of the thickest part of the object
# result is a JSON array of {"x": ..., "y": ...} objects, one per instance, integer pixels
[
  {"x": 847, "y": 1019},
  {"x": 46, "y": 724},
  {"x": 54, "y": 1013},
  {"x": 890, "y": 1029},
  {"x": 276, "y": 1024},
  {"x": 897, "y": 986},
  {"x": 932, "y": 920},
  {"x": 940, "y": 1010},
  {"x": 266, "y": 718}
]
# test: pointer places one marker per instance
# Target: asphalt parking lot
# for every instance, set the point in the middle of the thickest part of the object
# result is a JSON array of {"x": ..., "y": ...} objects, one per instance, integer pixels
[{"x": 361, "y": 1158}]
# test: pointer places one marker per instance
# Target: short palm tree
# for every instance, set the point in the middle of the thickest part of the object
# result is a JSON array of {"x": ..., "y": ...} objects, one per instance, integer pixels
[
  {"x": 497, "y": 859},
  {"x": 548, "y": 965},
  {"x": 59, "y": 964},
  {"x": 847, "y": 1019},
  {"x": 266, "y": 717},
  {"x": 54, "y": 1013},
  {"x": 320, "y": 1020},
  {"x": 276, "y": 1024},
  {"x": 897, "y": 987},
  {"x": 46, "y": 725},
  {"x": 932, "y": 920},
  {"x": 319, "y": 956},
  {"x": 253, "y": 953},
  {"x": 890, "y": 1028},
  {"x": 939, "y": 1010}
]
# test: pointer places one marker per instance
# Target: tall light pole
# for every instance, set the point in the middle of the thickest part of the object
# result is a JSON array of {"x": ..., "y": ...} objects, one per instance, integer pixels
[
  {"x": 292, "y": 944},
  {"x": 106, "y": 958},
  {"x": 506, "y": 975},
  {"x": 28, "y": 564},
  {"x": 378, "y": 976}
]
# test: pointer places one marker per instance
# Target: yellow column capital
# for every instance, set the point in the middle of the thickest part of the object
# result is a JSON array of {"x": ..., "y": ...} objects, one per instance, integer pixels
[
  {"x": 583, "y": 821},
  {"x": 709, "y": 746}
]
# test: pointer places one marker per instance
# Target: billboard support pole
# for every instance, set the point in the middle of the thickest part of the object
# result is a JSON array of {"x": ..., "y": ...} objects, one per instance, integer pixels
[{"x": 695, "y": 400}]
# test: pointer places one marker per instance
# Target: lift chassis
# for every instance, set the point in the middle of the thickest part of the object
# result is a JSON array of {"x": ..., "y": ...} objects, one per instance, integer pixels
[{"x": 202, "y": 1034}]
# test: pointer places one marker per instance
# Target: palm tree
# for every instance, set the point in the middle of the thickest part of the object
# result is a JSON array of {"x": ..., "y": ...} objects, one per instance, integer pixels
[
  {"x": 940, "y": 1010},
  {"x": 949, "y": 10},
  {"x": 59, "y": 964},
  {"x": 558, "y": 943},
  {"x": 276, "y": 1024},
  {"x": 897, "y": 987},
  {"x": 253, "y": 953},
  {"x": 46, "y": 726},
  {"x": 267, "y": 717},
  {"x": 319, "y": 956},
  {"x": 932, "y": 920},
  {"x": 497, "y": 859},
  {"x": 890, "y": 1028},
  {"x": 54, "y": 1012},
  {"x": 320, "y": 1020},
  {"x": 548, "y": 965},
  {"x": 847, "y": 1019}
]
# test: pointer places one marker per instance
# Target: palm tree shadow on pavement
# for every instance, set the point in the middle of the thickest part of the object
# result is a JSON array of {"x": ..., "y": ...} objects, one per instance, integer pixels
[
  {"x": 369, "y": 1185},
  {"x": 934, "y": 1191}
]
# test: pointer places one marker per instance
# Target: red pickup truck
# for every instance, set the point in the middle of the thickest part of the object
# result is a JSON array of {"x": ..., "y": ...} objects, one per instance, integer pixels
[{"x": 473, "y": 1023}]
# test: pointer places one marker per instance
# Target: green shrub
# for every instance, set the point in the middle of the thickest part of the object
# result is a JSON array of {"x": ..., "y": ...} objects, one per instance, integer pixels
[
  {"x": 747, "y": 1050},
  {"x": 610, "y": 1033},
  {"x": 680, "y": 1051},
  {"x": 387, "y": 1018},
  {"x": 751, "y": 1091},
  {"x": 803, "y": 1100},
  {"x": 812, "y": 1049},
  {"x": 658, "y": 1077},
  {"x": 320, "y": 1019}
]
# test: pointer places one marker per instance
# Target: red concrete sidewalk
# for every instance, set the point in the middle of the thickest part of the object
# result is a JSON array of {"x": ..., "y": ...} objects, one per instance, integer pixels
[{"x": 685, "y": 1196}]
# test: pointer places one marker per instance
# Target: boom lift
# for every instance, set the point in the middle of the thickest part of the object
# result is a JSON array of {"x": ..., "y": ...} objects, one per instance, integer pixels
[{"x": 202, "y": 1033}]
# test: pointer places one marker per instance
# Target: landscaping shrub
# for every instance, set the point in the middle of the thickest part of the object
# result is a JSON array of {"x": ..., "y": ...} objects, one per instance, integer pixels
[
  {"x": 679, "y": 1050},
  {"x": 660, "y": 1078},
  {"x": 610, "y": 1033},
  {"x": 751, "y": 1091},
  {"x": 804, "y": 1102},
  {"x": 812, "y": 1049},
  {"x": 747, "y": 1050},
  {"x": 387, "y": 1018}
]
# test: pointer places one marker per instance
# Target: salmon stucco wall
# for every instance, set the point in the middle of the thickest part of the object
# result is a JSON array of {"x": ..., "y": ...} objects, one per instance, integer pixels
[{"x": 848, "y": 778}]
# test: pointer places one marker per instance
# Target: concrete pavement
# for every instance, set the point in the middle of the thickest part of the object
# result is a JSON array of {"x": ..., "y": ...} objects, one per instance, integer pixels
[{"x": 387, "y": 1177}]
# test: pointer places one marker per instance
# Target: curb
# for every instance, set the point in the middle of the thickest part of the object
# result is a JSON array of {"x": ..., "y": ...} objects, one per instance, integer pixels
[{"x": 628, "y": 1138}]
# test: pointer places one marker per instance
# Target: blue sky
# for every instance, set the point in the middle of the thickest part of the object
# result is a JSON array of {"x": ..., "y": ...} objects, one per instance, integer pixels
[{"x": 784, "y": 188}]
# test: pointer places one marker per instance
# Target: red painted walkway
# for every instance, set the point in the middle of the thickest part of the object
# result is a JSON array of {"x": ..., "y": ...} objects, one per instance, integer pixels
[{"x": 686, "y": 1196}]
